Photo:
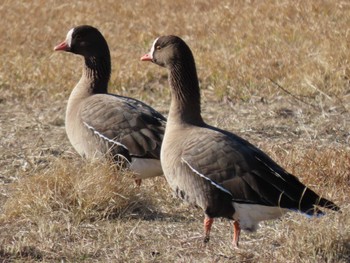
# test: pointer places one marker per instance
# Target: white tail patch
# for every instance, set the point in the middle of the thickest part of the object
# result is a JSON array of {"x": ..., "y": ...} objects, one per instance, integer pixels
[
  {"x": 249, "y": 215},
  {"x": 206, "y": 178}
]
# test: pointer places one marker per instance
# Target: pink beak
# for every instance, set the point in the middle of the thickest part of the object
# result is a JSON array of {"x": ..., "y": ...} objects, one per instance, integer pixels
[
  {"x": 61, "y": 47},
  {"x": 146, "y": 57}
]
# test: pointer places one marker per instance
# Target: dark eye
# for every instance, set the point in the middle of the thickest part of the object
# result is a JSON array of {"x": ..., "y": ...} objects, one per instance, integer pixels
[
  {"x": 158, "y": 47},
  {"x": 78, "y": 37}
]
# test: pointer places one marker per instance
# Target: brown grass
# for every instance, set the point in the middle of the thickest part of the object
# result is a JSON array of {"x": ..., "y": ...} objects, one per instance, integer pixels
[
  {"x": 75, "y": 189},
  {"x": 56, "y": 207}
]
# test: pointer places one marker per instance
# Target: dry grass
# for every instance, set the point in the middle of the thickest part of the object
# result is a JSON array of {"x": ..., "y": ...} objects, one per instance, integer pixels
[
  {"x": 85, "y": 191},
  {"x": 56, "y": 207}
]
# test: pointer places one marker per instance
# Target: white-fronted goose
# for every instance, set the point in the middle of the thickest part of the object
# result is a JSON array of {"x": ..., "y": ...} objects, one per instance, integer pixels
[
  {"x": 99, "y": 123},
  {"x": 214, "y": 169}
]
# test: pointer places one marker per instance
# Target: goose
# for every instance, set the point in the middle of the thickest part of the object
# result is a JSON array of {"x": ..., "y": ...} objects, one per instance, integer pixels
[
  {"x": 103, "y": 125},
  {"x": 215, "y": 169}
]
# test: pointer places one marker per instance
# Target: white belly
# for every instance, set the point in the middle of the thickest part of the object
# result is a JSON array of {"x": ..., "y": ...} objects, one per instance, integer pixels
[{"x": 145, "y": 168}]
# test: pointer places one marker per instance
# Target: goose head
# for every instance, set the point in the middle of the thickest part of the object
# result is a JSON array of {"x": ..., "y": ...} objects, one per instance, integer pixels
[
  {"x": 168, "y": 51},
  {"x": 84, "y": 40}
]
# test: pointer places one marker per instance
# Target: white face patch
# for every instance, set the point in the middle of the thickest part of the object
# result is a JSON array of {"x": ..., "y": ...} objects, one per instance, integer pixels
[
  {"x": 153, "y": 48},
  {"x": 69, "y": 37}
]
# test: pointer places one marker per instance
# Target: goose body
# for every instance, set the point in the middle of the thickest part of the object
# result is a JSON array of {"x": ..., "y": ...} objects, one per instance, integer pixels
[
  {"x": 100, "y": 124},
  {"x": 215, "y": 169}
]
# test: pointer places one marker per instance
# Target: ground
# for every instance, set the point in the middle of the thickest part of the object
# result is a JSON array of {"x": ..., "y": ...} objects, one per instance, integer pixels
[{"x": 274, "y": 72}]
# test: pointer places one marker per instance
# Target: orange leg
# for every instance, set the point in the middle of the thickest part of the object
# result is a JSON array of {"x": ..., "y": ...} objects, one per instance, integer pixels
[
  {"x": 236, "y": 233},
  {"x": 207, "y": 226}
]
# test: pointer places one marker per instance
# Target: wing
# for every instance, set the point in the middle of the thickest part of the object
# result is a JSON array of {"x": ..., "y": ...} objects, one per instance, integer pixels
[
  {"x": 228, "y": 161},
  {"x": 125, "y": 122}
]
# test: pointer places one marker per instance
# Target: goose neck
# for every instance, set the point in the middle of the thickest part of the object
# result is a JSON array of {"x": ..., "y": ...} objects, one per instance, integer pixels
[
  {"x": 185, "y": 103},
  {"x": 97, "y": 71}
]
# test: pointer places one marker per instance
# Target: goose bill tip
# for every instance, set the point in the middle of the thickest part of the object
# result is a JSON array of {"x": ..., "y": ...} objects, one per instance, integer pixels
[
  {"x": 146, "y": 57},
  {"x": 61, "y": 47}
]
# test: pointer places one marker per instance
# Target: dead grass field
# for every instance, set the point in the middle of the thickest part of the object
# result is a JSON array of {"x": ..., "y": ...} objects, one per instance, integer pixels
[{"x": 55, "y": 207}]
